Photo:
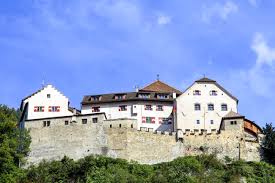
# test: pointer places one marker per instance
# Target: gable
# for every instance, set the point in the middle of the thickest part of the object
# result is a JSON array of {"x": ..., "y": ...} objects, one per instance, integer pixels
[{"x": 213, "y": 84}]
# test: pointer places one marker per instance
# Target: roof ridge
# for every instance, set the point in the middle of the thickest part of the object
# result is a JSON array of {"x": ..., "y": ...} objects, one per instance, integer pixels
[
  {"x": 150, "y": 87},
  {"x": 205, "y": 79},
  {"x": 232, "y": 114}
]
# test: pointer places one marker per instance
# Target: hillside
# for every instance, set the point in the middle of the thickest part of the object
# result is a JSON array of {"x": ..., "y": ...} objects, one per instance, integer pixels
[{"x": 187, "y": 169}]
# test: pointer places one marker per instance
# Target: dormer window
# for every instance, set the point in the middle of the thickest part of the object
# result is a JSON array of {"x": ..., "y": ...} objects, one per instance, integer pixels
[
  {"x": 224, "y": 107},
  {"x": 95, "y": 98},
  {"x": 95, "y": 109},
  {"x": 143, "y": 95},
  {"x": 210, "y": 107},
  {"x": 196, "y": 92},
  {"x": 120, "y": 96},
  {"x": 197, "y": 107},
  {"x": 162, "y": 96},
  {"x": 213, "y": 93}
]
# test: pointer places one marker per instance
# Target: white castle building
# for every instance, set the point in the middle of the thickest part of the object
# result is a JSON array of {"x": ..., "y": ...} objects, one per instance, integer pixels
[
  {"x": 118, "y": 124},
  {"x": 203, "y": 105},
  {"x": 151, "y": 106},
  {"x": 156, "y": 107},
  {"x": 45, "y": 103}
]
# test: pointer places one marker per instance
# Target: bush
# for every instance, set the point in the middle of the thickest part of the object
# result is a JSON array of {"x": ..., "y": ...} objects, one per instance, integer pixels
[{"x": 190, "y": 169}]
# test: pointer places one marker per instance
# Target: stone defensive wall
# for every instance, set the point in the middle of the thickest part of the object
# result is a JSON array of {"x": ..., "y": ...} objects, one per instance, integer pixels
[{"x": 120, "y": 139}]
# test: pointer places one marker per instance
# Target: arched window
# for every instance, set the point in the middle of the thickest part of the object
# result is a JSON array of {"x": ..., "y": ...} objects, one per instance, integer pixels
[
  {"x": 213, "y": 93},
  {"x": 224, "y": 107},
  {"x": 196, "y": 92},
  {"x": 197, "y": 107},
  {"x": 210, "y": 107}
]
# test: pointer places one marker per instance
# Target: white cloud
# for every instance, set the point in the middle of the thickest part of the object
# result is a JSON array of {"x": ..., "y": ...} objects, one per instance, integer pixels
[
  {"x": 163, "y": 20},
  {"x": 259, "y": 77},
  {"x": 265, "y": 54},
  {"x": 221, "y": 11}
]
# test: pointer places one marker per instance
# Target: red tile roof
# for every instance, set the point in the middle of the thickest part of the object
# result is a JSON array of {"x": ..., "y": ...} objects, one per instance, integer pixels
[{"x": 159, "y": 86}]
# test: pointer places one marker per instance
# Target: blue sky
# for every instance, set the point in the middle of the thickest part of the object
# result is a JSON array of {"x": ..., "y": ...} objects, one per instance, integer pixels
[{"x": 101, "y": 46}]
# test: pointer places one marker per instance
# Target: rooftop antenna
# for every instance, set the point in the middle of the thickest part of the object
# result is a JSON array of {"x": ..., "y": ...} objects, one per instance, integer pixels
[
  {"x": 136, "y": 88},
  {"x": 43, "y": 80},
  {"x": 43, "y": 83},
  {"x": 157, "y": 77}
]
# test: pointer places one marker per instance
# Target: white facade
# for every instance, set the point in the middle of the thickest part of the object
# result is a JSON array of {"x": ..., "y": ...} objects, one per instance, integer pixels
[
  {"x": 136, "y": 110},
  {"x": 46, "y": 103},
  {"x": 203, "y": 94}
]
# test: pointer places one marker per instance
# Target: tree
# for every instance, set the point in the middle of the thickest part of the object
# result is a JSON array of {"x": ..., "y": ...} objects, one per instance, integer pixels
[
  {"x": 269, "y": 143},
  {"x": 14, "y": 145}
]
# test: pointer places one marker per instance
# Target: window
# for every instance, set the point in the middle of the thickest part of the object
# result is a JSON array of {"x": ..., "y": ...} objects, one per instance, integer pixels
[
  {"x": 211, "y": 122},
  {"x": 213, "y": 93},
  {"x": 48, "y": 95},
  {"x": 148, "y": 107},
  {"x": 122, "y": 108},
  {"x": 196, "y": 92},
  {"x": 66, "y": 122},
  {"x": 46, "y": 123},
  {"x": 95, "y": 109},
  {"x": 165, "y": 121},
  {"x": 84, "y": 121},
  {"x": 120, "y": 96},
  {"x": 162, "y": 96},
  {"x": 233, "y": 122},
  {"x": 224, "y": 107},
  {"x": 197, "y": 107},
  {"x": 144, "y": 95},
  {"x": 95, "y": 120},
  {"x": 54, "y": 109},
  {"x": 198, "y": 122},
  {"x": 95, "y": 98},
  {"x": 159, "y": 108},
  {"x": 210, "y": 107},
  {"x": 148, "y": 119},
  {"x": 38, "y": 108}
]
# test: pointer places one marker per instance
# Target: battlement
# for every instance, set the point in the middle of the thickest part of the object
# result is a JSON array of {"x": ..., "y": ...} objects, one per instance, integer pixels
[{"x": 79, "y": 136}]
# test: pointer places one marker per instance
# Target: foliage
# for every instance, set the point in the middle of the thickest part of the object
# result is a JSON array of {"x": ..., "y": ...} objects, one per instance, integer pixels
[
  {"x": 190, "y": 169},
  {"x": 14, "y": 145},
  {"x": 269, "y": 143}
]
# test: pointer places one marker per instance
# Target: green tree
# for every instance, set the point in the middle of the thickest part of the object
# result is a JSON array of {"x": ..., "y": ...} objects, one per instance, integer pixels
[
  {"x": 14, "y": 145},
  {"x": 269, "y": 143}
]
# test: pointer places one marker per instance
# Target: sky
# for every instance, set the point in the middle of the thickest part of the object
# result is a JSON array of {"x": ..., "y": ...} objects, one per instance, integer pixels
[{"x": 87, "y": 47}]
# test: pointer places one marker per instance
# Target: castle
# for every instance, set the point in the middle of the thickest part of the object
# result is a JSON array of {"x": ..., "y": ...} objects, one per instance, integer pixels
[{"x": 150, "y": 125}]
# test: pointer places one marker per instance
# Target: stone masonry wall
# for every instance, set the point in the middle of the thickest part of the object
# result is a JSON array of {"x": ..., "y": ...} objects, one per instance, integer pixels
[{"x": 121, "y": 140}]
